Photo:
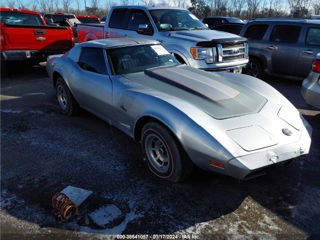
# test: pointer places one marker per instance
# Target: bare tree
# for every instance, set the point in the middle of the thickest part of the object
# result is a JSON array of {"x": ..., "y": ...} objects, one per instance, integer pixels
[
  {"x": 95, "y": 3},
  {"x": 218, "y": 7},
  {"x": 237, "y": 6},
  {"x": 48, "y": 5},
  {"x": 78, "y": 5},
  {"x": 179, "y": 3},
  {"x": 35, "y": 5},
  {"x": 148, "y": 2},
  {"x": 21, "y": 5},
  {"x": 9, "y": 4},
  {"x": 299, "y": 8},
  {"x": 66, "y": 5},
  {"x": 316, "y": 7},
  {"x": 125, "y": 2},
  {"x": 252, "y": 8}
]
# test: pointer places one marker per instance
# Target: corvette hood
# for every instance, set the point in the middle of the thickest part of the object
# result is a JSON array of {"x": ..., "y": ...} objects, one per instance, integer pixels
[{"x": 210, "y": 92}]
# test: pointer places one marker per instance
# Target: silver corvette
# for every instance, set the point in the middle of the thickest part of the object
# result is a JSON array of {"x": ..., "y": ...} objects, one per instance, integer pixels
[{"x": 223, "y": 122}]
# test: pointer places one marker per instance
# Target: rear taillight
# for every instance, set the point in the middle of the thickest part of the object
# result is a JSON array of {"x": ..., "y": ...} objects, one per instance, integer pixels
[
  {"x": 2, "y": 37},
  {"x": 316, "y": 65}
]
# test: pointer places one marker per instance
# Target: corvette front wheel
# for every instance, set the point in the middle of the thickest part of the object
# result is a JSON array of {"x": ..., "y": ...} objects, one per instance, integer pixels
[{"x": 163, "y": 154}]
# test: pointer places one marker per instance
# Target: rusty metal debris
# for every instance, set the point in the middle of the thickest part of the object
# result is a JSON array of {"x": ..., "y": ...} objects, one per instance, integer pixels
[{"x": 64, "y": 205}]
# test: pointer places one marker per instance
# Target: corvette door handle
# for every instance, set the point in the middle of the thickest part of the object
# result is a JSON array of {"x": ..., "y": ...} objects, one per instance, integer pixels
[
  {"x": 308, "y": 52},
  {"x": 272, "y": 47}
]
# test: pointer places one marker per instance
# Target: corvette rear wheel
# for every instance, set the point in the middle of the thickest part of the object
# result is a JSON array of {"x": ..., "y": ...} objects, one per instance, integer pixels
[
  {"x": 163, "y": 154},
  {"x": 68, "y": 105}
]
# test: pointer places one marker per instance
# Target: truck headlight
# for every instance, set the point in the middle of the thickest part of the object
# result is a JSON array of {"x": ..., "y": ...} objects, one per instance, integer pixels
[
  {"x": 207, "y": 54},
  {"x": 246, "y": 50}
]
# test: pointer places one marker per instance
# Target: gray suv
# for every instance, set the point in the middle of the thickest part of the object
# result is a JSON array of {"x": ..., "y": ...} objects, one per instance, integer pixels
[{"x": 282, "y": 47}]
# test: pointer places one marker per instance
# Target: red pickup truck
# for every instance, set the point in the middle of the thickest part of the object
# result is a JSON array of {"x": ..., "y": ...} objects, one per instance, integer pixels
[{"x": 25, "y": 36}]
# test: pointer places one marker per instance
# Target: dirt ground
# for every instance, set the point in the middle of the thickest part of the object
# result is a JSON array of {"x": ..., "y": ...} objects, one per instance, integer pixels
[{"x": 43, "y": 151}]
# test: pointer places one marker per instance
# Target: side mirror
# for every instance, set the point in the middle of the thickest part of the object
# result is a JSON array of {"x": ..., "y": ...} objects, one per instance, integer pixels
[{"x": 144, "y": 29}]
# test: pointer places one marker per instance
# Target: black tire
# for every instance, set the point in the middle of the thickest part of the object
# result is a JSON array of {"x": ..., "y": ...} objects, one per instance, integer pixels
[
  {"x": 255, "y": 68},
  {"x": 68, "y": 105},
  {"x": 163, "y": 154},
  {"x": 4, "y": 69}
]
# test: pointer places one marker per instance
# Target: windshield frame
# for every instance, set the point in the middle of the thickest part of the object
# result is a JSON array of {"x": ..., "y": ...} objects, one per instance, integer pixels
[{"x": 157, "y": 23}]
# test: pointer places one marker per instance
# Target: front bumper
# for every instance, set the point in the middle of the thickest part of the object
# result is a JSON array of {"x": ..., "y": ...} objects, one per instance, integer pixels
[
  {"x": 247, "y": 166},
  {"x": 28, "y": 55},
  {"x": 219, "y": 66},
  {"x": 311, "y": 89}
]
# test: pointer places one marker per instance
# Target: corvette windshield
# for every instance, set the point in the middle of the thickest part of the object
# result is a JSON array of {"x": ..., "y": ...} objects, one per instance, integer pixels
[
  {"x": 176, "y": 20},
  {"x": 138, "y": 58}
]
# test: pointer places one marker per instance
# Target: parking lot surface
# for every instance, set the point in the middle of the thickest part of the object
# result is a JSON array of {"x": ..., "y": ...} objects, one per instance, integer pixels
[{"x": 43, "y": 151}]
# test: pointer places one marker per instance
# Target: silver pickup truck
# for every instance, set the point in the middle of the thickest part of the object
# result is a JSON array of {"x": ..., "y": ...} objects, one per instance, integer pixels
[{"x": 179, "y": 31}]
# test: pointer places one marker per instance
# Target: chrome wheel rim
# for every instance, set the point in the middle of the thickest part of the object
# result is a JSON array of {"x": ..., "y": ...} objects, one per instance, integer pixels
[
  {"x": 157, "y": 153},
  {"x": 62, "y": 97}
]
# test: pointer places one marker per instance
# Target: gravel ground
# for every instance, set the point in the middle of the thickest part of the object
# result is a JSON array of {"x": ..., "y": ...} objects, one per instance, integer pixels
[{"x": 43, "y": 151}]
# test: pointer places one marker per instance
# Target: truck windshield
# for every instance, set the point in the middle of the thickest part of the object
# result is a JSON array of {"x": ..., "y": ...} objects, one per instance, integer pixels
[
  {"x": 19, "y": 18},
  {"x": 176, "y": 20},
  {"x": 138, "y": 58},
  {"x": 234, "y": 20}
]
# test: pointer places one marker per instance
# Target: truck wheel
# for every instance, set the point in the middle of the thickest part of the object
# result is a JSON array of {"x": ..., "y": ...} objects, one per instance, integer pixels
[
  {"x": 163, "y": 154},
  {"x": 68, "y": 105},
  {"x": 255, "y": 68}
]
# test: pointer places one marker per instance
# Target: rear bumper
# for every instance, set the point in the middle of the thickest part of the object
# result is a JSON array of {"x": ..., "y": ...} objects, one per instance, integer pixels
[{"x": 28, "y": 55}]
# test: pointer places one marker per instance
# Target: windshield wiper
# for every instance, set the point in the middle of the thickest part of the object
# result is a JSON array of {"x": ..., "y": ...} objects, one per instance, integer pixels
[
  {"x": 198, "y": 28},
  {"x": 174, "y": 29}
]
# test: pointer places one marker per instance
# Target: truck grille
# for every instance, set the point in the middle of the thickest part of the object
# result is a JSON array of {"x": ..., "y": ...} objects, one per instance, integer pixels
[{"x": 229, "y": 52}]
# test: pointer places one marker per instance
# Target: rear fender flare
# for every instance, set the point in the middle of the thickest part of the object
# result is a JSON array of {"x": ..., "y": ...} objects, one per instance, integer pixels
[{"x": 90, "y": 37}]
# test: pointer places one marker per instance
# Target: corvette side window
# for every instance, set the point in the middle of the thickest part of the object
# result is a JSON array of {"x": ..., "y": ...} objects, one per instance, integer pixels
[{"x": 92, "y": 60}]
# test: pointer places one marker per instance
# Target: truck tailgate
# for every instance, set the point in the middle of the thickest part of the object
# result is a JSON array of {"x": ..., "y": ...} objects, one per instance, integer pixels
[{"x": 20, "y": 37}]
